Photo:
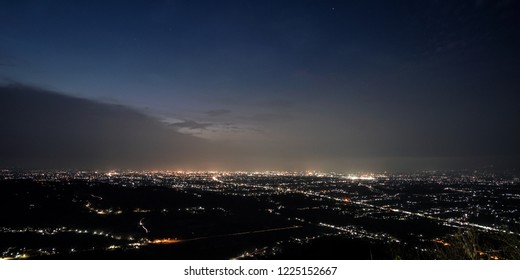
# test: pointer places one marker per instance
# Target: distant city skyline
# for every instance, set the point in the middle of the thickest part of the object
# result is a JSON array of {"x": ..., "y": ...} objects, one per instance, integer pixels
[{"x": 260, "y": 85}]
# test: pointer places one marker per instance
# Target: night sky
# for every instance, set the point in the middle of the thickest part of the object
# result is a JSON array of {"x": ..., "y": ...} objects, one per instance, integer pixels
[{"x": 260, "y": 85}]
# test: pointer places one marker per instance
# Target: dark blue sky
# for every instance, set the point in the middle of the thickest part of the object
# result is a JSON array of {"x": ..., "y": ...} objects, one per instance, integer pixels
[{"x": 332, "y": 85}]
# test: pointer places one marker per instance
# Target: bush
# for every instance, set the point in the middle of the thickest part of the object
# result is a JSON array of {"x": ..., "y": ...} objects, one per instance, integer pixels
[{"x": 471, "y": 244}]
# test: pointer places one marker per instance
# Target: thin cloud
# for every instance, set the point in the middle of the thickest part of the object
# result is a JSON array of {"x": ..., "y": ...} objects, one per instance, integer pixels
[
  {"x": 44, "y": 129},
  {"x": 190, "y": 124},
  {"x": 269, "y": 117},
  {"x": 218, "y": 112}
]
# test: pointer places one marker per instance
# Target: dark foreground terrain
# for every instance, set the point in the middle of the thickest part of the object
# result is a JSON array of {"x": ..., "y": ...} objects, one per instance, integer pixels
[{"x": 164, "y": 215}]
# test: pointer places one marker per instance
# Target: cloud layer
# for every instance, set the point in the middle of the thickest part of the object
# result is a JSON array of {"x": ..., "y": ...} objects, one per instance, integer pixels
[{"x": 44, "y": 129}]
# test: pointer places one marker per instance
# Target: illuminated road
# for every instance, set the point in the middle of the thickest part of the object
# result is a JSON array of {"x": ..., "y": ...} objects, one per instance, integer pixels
[
  {"x": 95, "y": 196},
  {"x": 141, "y": 224},
  {"x": 446, "y": 222},
  {"x": 215, "y": 178}
]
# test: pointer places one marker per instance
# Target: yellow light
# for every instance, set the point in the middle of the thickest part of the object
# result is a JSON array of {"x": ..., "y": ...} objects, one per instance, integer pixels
[
  {"x": 165, "y": 241},
  {"x": 442, "y": 242}
]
